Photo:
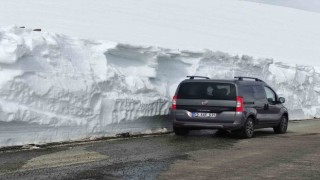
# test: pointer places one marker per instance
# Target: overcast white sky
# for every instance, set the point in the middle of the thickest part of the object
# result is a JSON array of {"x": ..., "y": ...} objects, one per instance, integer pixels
[{"x": 308, "y": 5}]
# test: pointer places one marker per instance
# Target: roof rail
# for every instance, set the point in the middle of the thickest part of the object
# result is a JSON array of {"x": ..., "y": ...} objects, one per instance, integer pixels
[
  {"x": 192, "y": 77},
  {"x": 240, "y": 78}
]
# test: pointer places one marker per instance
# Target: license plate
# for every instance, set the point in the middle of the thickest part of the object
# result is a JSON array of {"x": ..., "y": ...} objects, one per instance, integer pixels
[{"x": 204, "y": 115}]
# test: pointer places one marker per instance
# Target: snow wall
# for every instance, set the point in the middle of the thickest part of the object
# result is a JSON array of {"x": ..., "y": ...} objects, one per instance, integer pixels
[{"x": 57, "y": 88}]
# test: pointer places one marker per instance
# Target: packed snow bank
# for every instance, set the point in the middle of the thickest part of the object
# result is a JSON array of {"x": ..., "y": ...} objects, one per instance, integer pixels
[
  {"x": 71, "y": 88},
  {"x": 233, "y": 26}
]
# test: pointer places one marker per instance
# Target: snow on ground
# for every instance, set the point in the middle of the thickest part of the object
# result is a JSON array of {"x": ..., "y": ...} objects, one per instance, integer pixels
[
  {"x": 57, "y": 88},
  {"x": 237, "y": 27}
]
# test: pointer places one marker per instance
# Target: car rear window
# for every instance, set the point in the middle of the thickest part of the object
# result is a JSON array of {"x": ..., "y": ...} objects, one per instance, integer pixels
[{"x": 207, "y": 90}]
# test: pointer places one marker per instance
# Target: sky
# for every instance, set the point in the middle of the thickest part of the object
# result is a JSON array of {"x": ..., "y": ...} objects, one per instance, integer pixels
[{"x": 307, "y": 5}]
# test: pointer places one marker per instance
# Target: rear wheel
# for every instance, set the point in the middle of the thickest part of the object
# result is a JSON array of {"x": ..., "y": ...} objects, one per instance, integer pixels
[
  {"x": 248, "y": 130},
  {"x": 180, "y": 131},
  {"x": 282, "y": 127}
]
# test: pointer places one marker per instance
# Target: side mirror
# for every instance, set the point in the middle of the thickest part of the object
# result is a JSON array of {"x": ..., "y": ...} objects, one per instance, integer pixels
[{"x": 282, "y": 100}]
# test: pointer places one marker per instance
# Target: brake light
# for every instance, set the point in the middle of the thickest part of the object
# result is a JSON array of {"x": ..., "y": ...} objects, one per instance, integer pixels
[
  {"x": 239, "y": 107},
  {"x": 174, "y": 102}
]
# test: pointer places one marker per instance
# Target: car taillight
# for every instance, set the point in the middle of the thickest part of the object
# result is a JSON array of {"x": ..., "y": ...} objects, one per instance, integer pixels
[
  {"x": 174, "y": 102},
  {"x": 239, "y": 107}
]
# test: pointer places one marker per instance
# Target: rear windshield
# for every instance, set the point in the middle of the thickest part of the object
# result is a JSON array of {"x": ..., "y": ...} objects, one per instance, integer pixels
[{"x": 207, "y": 90}]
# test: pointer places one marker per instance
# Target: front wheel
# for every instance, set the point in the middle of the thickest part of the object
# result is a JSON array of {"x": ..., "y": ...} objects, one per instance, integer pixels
[
  {"x": 282, "y": 127},
  {"x": 248, "y": 130}
]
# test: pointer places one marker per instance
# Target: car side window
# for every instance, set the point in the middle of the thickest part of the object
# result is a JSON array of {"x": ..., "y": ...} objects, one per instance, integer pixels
[
  {"x": 259, "y": 93},
  {"x": 247, "y": 92},
  {"x": 271, "y": 96}
]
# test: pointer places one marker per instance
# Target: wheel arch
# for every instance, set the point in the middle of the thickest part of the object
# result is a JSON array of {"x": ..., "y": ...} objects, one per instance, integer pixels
[
  {"x": 254, "y": 117},
  {"x": 286, "y": 114}
]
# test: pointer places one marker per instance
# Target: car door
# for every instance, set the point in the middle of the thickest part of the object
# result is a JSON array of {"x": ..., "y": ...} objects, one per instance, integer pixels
[
  {"x": 273, "y": 105},
  {"x": 247, "y": 93},
  {"x": 261, "y": 105}
]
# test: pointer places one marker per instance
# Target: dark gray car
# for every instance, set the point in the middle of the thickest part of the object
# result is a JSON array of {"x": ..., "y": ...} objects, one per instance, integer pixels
[{"x": 240, "y": 105}]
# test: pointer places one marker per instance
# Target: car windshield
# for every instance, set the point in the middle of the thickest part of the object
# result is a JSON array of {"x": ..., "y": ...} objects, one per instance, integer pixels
[{"x": 207, "y": 90}]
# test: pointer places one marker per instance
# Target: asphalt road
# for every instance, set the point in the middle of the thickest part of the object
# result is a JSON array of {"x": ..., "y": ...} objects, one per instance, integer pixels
[{"x": 201, "y": 155}]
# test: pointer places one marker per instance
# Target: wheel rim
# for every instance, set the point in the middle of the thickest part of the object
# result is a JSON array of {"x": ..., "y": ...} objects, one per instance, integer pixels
[
  {"x": 284, "y": 124},
  {"x": 249, "y": 128}
]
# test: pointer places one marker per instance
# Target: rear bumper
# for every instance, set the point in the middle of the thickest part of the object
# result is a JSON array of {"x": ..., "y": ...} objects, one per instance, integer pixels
[
  {"x": 203, "y": 125},
  {"x": 228, "y": 121}
]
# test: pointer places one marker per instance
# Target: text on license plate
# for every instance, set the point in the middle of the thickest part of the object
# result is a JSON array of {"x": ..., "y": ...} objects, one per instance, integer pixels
[{"x": 206, "y": 115}]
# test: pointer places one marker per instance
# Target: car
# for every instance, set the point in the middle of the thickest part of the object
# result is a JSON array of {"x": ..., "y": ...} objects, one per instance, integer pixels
[{"x": 239, "y": 105}]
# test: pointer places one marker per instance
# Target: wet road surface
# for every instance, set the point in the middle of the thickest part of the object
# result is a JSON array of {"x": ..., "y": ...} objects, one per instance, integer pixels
[{"x": 201, "y": 155}]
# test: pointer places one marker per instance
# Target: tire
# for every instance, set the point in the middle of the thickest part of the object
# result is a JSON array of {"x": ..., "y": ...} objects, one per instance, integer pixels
[
  {"x": 248, "y": 129},
  {"x": 282, "y": 127},
  {"x": 180, "y": 131}
]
